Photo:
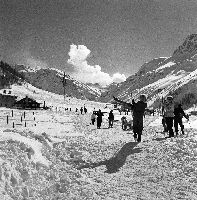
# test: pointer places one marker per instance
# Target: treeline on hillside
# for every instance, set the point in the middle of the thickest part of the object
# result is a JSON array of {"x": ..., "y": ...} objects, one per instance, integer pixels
[
  {"x": 9, "y": 75},
  {"x": 187, "y": 94},
  {"x": 189, "y": 99}
]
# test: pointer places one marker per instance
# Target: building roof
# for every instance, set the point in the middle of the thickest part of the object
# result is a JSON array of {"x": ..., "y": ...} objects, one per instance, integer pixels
[{"x": 29, "y": 100}]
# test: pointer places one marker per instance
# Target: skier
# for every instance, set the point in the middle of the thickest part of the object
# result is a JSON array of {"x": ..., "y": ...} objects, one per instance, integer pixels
[
  {"x": 81, "y": 109},
  {"x": 178, "y": 115},
  {"x": 138, "y": 114},
  {"x": 93, "y": 117},
  {"x": 99, "y": 118},
  {"x": 124, "y": 121},
  {"x": 85, "y": 110},
  {"x": 111, "y": 119},
  {"x": 168, "y": 113}
]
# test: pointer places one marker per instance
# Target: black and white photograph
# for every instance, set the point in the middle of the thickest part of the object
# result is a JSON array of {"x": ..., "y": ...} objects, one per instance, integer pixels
[{"x": 98, "y": 99}]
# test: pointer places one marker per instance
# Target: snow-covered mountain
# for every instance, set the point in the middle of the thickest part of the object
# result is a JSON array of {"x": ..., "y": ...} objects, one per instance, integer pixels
[
  {"x": 175, "y": 75},
  {"x": 51, "y": 79}
]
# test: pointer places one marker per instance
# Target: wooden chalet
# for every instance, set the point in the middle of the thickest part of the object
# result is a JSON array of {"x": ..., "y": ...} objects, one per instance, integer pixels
[{"x": 27, "y": 103}]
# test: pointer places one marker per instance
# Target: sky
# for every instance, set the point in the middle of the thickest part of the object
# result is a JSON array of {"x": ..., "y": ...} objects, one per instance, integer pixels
[{"x": 95, "y": 41}]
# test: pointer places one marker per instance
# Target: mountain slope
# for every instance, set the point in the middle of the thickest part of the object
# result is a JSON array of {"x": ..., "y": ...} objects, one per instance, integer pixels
[
  {"x": 175, "y": 75},
  {"x": 50, "y": 79},
  {"x": 9, "y": 75}
]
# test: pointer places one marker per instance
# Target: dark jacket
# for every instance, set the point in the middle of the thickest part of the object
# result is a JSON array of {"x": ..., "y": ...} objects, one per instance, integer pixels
[
  {"x": 138, "y": 109},
  {"x": 111, "y": 116},
  {"x": 99, "y": 115},
  {"x": 179, "y": 112}
]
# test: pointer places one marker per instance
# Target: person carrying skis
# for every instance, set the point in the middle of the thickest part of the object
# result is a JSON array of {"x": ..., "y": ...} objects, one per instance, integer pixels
[
  {"x": 99, "y": 118},
  {"x": 178, "y": 115},
  {"x": 111, "y": 119},
  {"x": 168, "y": 113},
  {"x": 138, "y": 114}
]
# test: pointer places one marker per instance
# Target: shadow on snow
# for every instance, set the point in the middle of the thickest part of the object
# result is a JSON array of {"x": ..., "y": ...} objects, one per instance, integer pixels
[{"x": 116, "y": 162}]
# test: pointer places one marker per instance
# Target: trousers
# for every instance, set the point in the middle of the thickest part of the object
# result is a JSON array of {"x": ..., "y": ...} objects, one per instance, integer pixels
[
  {"x": 178, "y": 121},
  {"x": 169, "y": 123}
]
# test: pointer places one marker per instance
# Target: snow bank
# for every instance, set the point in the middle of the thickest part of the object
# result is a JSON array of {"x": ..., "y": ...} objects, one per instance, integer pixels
[{"x": 34, "y": 147}]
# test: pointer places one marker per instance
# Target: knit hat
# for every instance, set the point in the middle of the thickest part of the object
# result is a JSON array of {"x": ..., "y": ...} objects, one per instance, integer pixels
[{"x": 143, "y": 97}]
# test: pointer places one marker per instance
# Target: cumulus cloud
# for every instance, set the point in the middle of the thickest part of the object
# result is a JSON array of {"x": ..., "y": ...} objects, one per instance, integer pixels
[
  {"x": 87, "y": 73},
  {"x": 118, "y": 78}
]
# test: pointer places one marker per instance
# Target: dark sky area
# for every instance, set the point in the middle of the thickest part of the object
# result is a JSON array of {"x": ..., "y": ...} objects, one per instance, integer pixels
[{"x": 121, "y": 34}]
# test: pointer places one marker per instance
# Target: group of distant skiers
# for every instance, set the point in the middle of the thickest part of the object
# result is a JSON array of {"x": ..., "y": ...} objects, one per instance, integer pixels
[
  {"x": 82, "y": 109},
  {"x": 138, "y": 114},
  {"x": 97, "y": 115},
  {"x": 172, "y": 116}
]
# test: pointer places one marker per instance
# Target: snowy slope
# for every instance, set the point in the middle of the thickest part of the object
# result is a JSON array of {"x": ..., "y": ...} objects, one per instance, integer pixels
[
  {"x": 78, "y": 161},
  {"x": 175, "y": 75},
  {"x": 50, "y": 79},
  {"x": 51, "y": 99}
]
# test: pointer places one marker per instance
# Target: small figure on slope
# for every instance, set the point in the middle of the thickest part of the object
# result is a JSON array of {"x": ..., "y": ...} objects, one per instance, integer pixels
[
  {"x": 124, "y": 121},
  {"x": 85, "y": 110},
  {"x": 178, "y": 115},
  {"x": 93, "y": 117},
  {"x": 111, "y": 119},
  {"x": 99, "y": 118}
]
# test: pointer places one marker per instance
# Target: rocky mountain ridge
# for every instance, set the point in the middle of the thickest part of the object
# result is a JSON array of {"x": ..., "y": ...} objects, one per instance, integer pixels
[{"x": 175, "y": 75}]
